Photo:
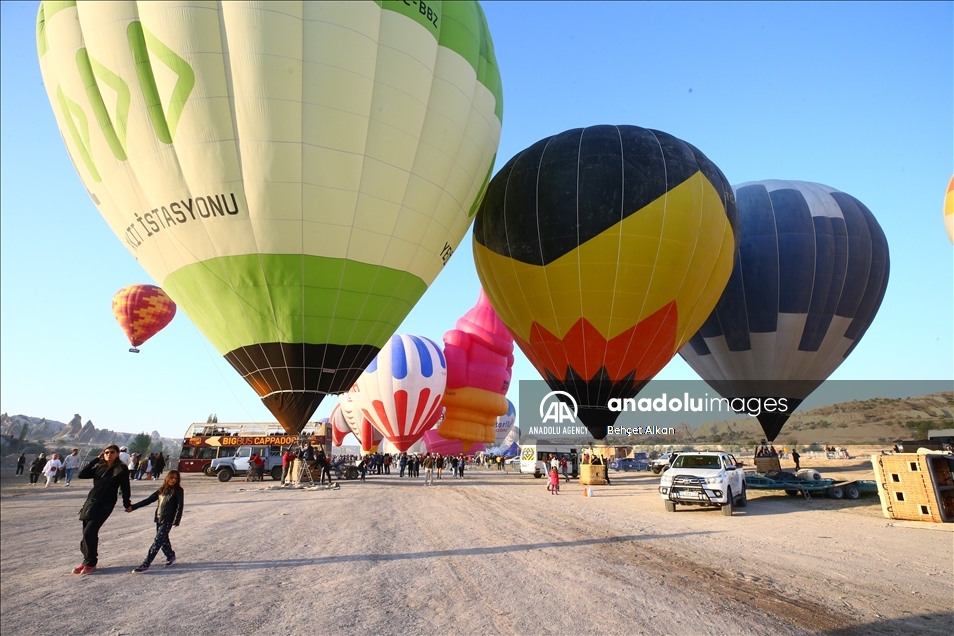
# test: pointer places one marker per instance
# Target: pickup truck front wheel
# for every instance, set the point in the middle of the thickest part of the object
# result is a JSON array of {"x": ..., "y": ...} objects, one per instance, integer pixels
[
  {"x": 727, "y": 506},
  {"x": 670, "y": 506},
  {"x": 225, "y": 474},
  {"x": 743, "y": 501}
]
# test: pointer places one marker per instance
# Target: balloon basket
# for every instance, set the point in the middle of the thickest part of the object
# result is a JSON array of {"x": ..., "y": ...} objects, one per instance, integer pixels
[
  {"x": 133, "y": 350},
  {"x": 592, "y": 475}
]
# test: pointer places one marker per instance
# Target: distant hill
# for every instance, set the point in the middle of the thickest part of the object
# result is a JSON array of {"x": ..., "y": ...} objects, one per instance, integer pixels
[
  {"x": 873, "y": 421},
  {"x": 53, "y": 434}
]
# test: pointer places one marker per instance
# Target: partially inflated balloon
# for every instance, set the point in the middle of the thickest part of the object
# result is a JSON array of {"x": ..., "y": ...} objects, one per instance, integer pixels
[
  {"x": 479, "y": 355},
  {"x": 339, "y": 426},
  {"x": 400, "y": 392},
  {"x": 294, "y": 174},
  {"x": 142, "y": 311},
  {"x": 504, "y": 423},
  {"x": 809, "y": 278},
  {"x": 434, "y": 443},
  {"x": 949, "y": 210},
  {"x": 368, "y": 437},
  {"x": 603, "y": 250}
]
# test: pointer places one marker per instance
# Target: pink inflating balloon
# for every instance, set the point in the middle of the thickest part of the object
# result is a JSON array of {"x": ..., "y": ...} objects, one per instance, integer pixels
[{"x": 479, "y": 355}]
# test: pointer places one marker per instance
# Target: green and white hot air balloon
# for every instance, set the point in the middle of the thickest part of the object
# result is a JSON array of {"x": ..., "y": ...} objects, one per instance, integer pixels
[{"x": 293, "y": 174}]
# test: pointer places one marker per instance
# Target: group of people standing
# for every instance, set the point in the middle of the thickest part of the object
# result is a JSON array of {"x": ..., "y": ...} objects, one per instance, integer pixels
[
  {"x": 143, "y": 466},
  {"x": 56, "y": 466},
  {"x": 433, "y": 464}
]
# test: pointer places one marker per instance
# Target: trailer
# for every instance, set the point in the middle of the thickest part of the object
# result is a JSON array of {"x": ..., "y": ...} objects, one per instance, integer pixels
[{"x": 793, "y": 487}]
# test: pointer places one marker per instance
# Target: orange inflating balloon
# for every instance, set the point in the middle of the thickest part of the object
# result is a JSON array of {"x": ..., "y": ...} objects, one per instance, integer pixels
[{"x": 142, "y": 311}]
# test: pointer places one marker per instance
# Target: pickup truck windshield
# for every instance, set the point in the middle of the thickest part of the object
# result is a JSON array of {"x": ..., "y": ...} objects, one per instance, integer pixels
[{"x": 697, "y": 461}]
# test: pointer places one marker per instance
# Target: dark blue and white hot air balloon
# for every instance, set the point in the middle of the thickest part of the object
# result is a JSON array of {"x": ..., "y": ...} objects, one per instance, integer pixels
[
  {"x": 809, "y": 277},
  {"x": 400, "y": 392},
  {"x": 504, "y": 424}
]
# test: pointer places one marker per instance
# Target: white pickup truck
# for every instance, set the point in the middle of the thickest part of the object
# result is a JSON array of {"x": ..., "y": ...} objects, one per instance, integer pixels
[
  {"x": 227, "y": 467},
  {"x": 704, "y": 479}
]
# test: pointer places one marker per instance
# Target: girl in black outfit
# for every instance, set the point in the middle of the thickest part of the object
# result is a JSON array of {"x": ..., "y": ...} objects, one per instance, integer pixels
[
  {"x": 109, "y": 475},
  {"x": 168, "y": 514}
]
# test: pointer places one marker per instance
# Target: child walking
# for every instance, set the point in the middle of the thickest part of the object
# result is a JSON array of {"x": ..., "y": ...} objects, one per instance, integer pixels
[
  {"x": 168, "y": 514},
  {"x": 554, "y": 481}
]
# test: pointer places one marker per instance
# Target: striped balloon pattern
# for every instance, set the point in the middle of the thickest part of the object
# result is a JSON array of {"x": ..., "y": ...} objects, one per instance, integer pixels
[
  {"x": 603, "y": 249},
  {"x": 400, "y": 392},
  {"x": 810, "y": 275},
  {"x": 142, "y": 311},
  {"x": 339, "y": 426},
  {"x": 368, "y": 437},
  {"x": 293, "y": 174}
]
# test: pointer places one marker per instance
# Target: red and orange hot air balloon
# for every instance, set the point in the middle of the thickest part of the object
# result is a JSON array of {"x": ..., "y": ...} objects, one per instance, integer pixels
[{"x": 142, "y": 311}]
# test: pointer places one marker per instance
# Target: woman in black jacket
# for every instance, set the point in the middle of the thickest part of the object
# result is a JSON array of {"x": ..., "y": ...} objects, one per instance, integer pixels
[
  {"x": 168, "y": 514},
  {"x": 109, "y": 475}
]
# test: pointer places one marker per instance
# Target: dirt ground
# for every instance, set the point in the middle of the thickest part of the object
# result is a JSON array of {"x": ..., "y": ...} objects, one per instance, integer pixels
[{"x": 492, "y": 554}]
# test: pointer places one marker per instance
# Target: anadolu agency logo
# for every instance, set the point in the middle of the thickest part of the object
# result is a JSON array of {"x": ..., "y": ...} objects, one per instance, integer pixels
[{"x": 558, "y": 417}]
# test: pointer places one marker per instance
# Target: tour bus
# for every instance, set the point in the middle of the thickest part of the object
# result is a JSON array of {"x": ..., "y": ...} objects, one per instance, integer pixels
[
  {"x": 535, "y": 458},
  {"x": 204, "y": 442}
]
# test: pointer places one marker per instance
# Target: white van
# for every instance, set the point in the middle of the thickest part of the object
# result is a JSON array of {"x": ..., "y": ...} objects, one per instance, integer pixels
[{"x": 535, "y": 458}]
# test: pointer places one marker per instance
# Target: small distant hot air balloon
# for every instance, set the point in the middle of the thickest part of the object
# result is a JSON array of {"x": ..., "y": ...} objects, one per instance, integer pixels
[
  {"x": 142, "y": 311},
  {"x": 604, "y": 249},
  {"x": 400, "y": 392},
  {"x": 294, "y": 177},
  {"x": 479, "y": 355},
  {"x": 810, "y": 275},
  {"x": 949, "y": 210}
]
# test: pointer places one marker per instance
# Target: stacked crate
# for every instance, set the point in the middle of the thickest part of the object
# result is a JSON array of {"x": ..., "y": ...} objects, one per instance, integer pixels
[{"x": 916, "y": 486}]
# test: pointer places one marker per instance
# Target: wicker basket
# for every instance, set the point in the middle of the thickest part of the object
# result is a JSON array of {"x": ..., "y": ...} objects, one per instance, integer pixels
[{"x": 916, "y": 487}]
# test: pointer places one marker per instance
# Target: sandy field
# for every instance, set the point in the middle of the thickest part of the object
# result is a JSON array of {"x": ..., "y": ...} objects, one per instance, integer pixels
[{"x": 492, "y": 554}]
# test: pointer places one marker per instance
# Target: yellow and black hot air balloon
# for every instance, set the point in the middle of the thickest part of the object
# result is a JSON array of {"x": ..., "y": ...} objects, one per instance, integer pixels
[{"x": 604, "y": 249}]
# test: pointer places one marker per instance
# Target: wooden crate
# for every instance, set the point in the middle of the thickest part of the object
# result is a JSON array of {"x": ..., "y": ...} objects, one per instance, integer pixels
[{"x": 916, "y": 487}]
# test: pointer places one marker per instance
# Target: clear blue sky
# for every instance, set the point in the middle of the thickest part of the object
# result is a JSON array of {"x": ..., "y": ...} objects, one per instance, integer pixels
[{"x": 856, "y": 96}]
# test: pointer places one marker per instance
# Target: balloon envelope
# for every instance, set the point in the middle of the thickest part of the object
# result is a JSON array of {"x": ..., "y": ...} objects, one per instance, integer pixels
[
  {"x": 339, "y": 426},
  {"x": 479, "y": 353},
  {"x": 142, "y": 311},
  {"x": 810, "y": 275},
  {"x": 504, "y": 423},
  {"x": 434, "y": 443},
  {"x": 295, "y": 178},
  {"x": 603, "y": 249},
  {"x": 400, "y": 392},
  {"x": 368, "y": 437}
]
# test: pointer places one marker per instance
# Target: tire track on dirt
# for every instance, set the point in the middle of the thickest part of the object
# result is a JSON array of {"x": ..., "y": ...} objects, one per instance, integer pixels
[{"x": 722, "y": 590}]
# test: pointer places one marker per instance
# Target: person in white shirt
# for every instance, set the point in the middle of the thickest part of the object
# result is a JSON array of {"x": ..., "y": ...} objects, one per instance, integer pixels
[
  {"x": 52, "y": 467},
  {"x": 70, "y": 464},
  {"x": 124, "y": 456}
]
